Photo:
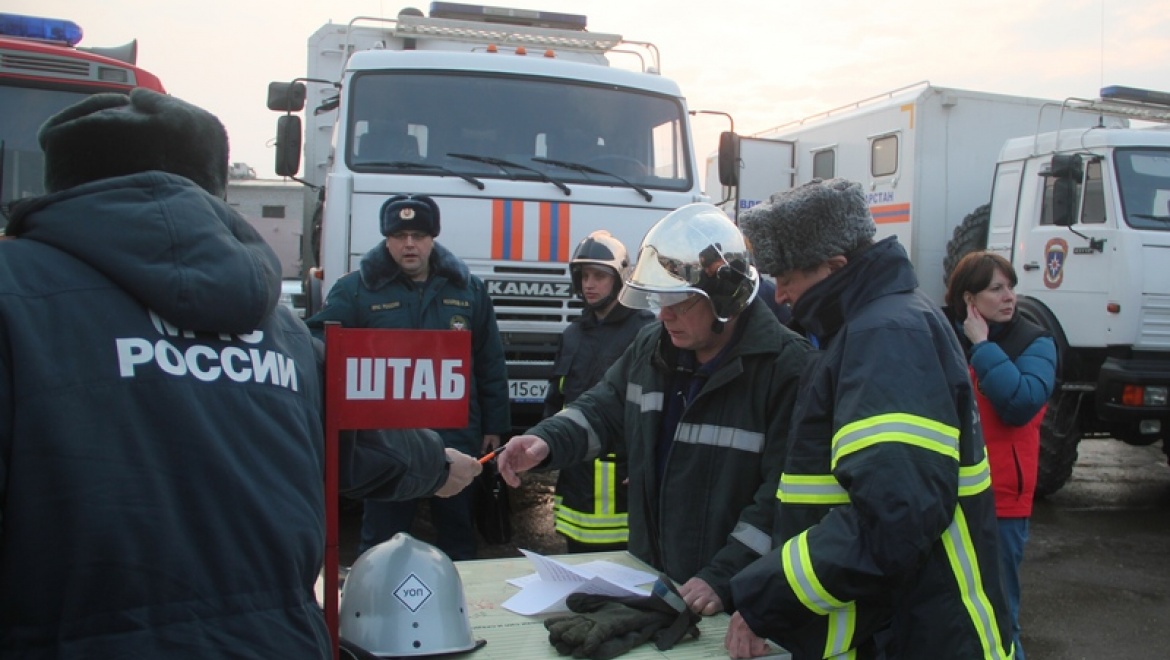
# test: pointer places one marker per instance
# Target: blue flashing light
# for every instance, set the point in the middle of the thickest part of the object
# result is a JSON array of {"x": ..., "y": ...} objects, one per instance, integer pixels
[
  {"x": 1135, "y": 94},
  {"x": 42, "y": 29}
]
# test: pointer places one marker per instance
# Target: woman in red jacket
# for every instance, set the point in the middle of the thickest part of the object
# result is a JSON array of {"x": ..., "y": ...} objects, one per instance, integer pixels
[{"x": 1013, "y": 366}]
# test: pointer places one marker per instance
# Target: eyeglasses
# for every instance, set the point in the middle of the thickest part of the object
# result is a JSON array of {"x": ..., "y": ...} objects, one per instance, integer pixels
[
  {"x": 416, "y": 236},
  {"x": 680, "y": 309}
]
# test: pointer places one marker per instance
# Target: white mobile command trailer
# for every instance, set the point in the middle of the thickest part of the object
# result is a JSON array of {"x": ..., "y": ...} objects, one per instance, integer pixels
[
  {"x": 515, "y": 122},
  {"x": 1073, "y": 196}
]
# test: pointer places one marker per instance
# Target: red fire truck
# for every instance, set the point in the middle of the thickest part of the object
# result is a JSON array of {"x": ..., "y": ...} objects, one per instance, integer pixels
[{"x": 41, "y": 72}]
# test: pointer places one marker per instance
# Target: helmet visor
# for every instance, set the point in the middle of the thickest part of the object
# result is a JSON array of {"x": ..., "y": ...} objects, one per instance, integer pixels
[{"x": 637, "y": 298}]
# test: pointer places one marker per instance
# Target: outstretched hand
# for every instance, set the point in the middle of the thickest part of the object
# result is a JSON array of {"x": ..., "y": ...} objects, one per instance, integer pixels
[
  {"x": 524, "y": 453},
  {"x": 463, "y": 470}
]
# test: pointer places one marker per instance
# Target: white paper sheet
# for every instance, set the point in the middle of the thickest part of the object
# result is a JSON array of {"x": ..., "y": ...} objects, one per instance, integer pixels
[{"x": 546, "y": 590}]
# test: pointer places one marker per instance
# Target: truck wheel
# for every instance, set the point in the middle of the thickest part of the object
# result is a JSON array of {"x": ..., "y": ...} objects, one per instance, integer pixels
[
  {"x": 1061, "y": 429},
  {"x": 1060, "y": 433},
  {"x": 969, "y": 236}
]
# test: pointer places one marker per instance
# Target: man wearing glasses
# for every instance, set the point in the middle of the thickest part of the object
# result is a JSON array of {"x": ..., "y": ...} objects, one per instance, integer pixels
[
  {"x": 700, "y": 402},
  {"x": 409, "y": 281}
]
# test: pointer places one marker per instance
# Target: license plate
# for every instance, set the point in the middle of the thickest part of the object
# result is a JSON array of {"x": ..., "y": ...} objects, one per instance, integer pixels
[{"x": 527, "y": 391}]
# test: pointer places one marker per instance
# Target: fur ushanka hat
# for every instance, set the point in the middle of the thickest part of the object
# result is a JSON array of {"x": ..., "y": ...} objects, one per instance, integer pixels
[
  {"x": 109, "y": 135},
  {"x": 800, "y": 228}
]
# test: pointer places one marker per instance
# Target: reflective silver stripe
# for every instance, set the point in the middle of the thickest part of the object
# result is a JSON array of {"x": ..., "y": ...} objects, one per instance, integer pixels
[
  {"x": 720, "y": 436},
  {"x": 965, "y": 566},
  {"x": 896, "y": 427},
  {"x": 647, "y": 402},
  {"x": 578, "y": 418},
  {"x": 753, "y": 537},
  {"x": 811, "y": 489},
  {"x": 974, "y": 479}
]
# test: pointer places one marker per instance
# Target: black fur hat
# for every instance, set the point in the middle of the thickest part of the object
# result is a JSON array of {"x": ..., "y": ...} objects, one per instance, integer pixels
[
  {"x": 799, "y": 228},
  {"x": 108, "y": 135},
  {"x": 410, "y": 213}
]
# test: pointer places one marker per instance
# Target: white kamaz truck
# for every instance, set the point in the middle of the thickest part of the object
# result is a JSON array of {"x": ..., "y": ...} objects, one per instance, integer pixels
[
  {"x": 1069, "y": 192},
  {"x": 515, "y": 122}
]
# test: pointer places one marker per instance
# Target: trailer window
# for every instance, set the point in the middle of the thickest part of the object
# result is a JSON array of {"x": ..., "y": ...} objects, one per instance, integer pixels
[
  {"x": 883, "y": 156},
  {"x": 825, "y": 164}
]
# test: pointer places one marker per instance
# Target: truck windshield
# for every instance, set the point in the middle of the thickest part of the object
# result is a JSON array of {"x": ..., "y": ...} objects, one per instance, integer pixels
[
  {"x": 24, "y": 164},
  {"x": 1143, "y": 176},
  {"x": 482, "y": 126}
]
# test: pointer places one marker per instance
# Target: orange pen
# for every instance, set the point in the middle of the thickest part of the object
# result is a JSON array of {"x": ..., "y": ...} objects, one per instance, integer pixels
[{"x": 492, "y": 454}]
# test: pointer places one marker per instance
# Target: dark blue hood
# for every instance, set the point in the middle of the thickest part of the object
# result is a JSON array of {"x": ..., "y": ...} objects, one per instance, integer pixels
[{"x": 180, "y": 251}]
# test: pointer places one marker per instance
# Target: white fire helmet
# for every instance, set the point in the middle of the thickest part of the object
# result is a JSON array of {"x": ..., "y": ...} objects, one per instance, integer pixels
[
  {"x": 404, "y": 598},
  {"x": 695, "y": 249}
]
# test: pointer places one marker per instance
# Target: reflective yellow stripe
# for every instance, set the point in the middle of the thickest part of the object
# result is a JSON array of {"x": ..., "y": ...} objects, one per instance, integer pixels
[
  {"x": 965, "y": 565},
  {"x": 895, "y": 427},
  {"x": 974, "y": 479},
  {"x": 842, "y": 616},
  {"x": 604, "y": 524},
  {"x": 811, "y": 489}
]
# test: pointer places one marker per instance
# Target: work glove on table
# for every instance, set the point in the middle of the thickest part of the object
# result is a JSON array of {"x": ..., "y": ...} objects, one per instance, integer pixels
[{"x": 605, "y": 627}]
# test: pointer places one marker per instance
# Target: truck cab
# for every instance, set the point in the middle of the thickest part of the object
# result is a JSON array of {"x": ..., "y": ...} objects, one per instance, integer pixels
[
  {"x": 518, "y": 126},
  {"x": 1084, "y": 216}
]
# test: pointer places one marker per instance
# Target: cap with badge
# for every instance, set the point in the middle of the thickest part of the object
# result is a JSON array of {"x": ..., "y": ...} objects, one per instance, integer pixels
[{"x": 410, "y": 213}]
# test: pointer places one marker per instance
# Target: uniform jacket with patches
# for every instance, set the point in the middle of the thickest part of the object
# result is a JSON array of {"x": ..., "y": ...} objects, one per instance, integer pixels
[
  {"x": 161, "y": 440},
  {"x": 379, "y": 295},
  {"x": 712, "y": 513},
  {"x": 886, "y": 520}
]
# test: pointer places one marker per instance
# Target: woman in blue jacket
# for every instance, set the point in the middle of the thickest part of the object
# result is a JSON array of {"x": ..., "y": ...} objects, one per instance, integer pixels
[{"x": 1013, "y": 367}]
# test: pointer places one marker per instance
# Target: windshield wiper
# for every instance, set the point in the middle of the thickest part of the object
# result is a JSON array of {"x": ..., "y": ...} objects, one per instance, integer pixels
[
  {"x": 505, "y": 164},
  {"x": 409, "y": 165},
  {"x": 568, "y": 165}
]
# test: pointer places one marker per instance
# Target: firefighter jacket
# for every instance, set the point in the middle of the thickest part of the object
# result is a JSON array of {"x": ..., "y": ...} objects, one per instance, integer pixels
[
  {"x": 591, "y": 504},
  {"x": 161, "y": 434},
  {"x": 885, "y": 517},
  {"x": 1014, "y": 373},
  {"x": 379, "y": 295},
  {"x": 712, "y": 513}
]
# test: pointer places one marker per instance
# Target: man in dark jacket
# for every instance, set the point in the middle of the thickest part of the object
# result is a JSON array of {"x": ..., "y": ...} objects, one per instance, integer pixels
[
  {"x": 885, "y": 535},
  {"x": 161, "y": 436},
  {"x": 410, "y": 281},
  {"x": 700, "y": 403},
  {"x": 591, "y": 509}
]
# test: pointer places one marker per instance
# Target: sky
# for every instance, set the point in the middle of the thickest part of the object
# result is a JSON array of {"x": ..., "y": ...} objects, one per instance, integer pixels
[{"x": 765, "y": 62}]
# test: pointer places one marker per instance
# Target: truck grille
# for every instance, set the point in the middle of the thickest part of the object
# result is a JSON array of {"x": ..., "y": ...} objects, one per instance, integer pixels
[{"x": 1155, "y": 333}]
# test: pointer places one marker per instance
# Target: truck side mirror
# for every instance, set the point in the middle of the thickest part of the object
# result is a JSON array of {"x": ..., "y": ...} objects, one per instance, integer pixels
[
  {"x": 728, "y": 158},
  {"x": 1066, "y": 171},
  {"x": 286, "y": 97},
  {"x": 288, "y": 145}
]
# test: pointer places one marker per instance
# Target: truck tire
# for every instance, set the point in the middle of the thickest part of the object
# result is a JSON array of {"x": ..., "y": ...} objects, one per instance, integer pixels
[
  {"x": 1061, "y": 429},
  {"x": 1060, "y": 434},
  {"x": 969, "y": 236}
]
